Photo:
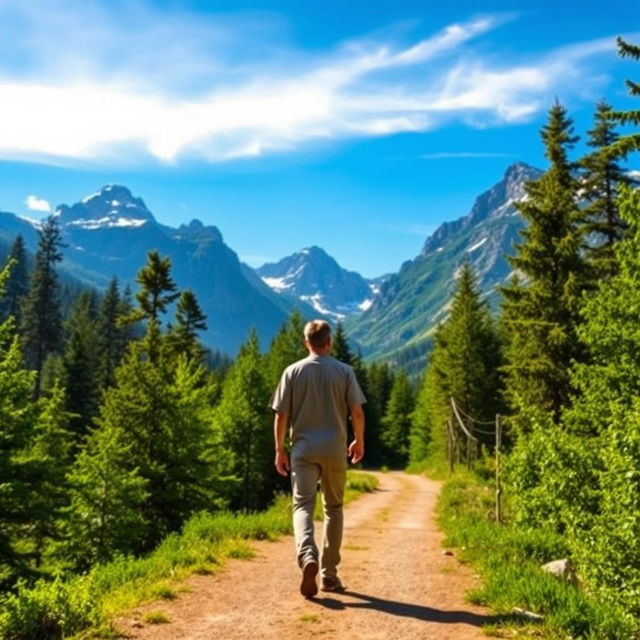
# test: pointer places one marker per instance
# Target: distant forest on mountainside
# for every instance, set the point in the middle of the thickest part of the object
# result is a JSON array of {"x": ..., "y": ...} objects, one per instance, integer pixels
[{"x": 118, "y": 424}]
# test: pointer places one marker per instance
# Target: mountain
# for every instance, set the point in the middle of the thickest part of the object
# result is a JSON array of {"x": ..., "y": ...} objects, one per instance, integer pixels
[
  {"x": 400, "y": 322},
  {"x": 110, "y": 232},
  {"x": 314, "y": 277}
]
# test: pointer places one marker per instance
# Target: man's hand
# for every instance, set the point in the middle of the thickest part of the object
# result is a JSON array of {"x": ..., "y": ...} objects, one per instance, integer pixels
[
  {"x": 282, "y": 462},
  {"x": 356, "y": 451}
]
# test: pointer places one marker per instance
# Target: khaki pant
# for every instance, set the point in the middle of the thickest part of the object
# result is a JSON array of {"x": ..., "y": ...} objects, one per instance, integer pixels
[{"x": 306, "y": 471}]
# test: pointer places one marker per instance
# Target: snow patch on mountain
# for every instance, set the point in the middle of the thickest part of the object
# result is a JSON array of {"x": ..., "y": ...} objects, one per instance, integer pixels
[{"x": 107, "y": 222}]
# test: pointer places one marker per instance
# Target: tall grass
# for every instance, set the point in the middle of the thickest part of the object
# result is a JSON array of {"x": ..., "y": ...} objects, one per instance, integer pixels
[
  {"x": 509, "y": 560},
  {"x": 62, "y": 608}
]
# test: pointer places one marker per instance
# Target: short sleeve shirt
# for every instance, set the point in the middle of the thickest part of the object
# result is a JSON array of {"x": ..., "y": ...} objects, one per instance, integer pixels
[{"x": 317, "y": 392}]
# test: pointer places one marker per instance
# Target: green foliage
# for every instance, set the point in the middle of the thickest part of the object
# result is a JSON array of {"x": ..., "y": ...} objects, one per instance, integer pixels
[
  {"x": 189, "y": 320},
  {"x": 41, "y": 328},
  {"x": 17, "y": 284},
  {"x": 81, "y": 365},
  {"x": 245, "y": 428},
  {"x": 464, "y": 364},
  {"x": 111, "y": 335},
  {"x": 396, "y": 422},
  {"x": 287, "y": 347},
  {"x": 509, "y": 558},
  {"x": 376, "y": 381},
  {"x": 631, "y": 142},
  {"x": 58, "y": 609},
  {"x": 600, "y": 179},
  {"x": 157, "y": 288},
  {"x": 540, "y": 312}
]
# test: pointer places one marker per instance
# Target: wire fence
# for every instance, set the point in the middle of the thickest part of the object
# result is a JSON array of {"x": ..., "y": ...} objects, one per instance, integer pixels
[{"x": 467, "y": 446}]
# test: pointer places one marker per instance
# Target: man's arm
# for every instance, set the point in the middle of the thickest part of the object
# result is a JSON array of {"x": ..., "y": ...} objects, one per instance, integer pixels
[
  {"x": 356, "y": 448},
  {"x": 280, "y": 422}
]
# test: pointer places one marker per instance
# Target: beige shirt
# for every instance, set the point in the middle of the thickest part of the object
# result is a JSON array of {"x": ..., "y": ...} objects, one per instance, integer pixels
[{"x": 317, "y": 392}]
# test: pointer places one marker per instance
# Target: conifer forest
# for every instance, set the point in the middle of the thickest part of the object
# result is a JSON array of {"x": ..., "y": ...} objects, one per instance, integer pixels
[{"x": 119, "y": 426}]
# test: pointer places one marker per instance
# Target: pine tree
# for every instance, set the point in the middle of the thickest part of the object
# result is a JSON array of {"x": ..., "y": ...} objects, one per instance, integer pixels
[
  {"x": 81, "y": 365},
  {"x": 286, "y": 347},
  {"x": 631, "y": 142},
  {"x": 189, "y": 320},
  {"x": 157, "y": 288},
  {"x": 110, "y": 339},
  {"x": 341, "y": 350},
  {"x": 245, "y": 427},
  {"x": 397, "y": 422},
  {"x": 48, "y": 459},
  {"x": 379, "y": 382},
  {"x": 41, "y": 317},
  {"x": 17, "y": 284},
  {"x": 601, "y": 177},
  {"x": 464, "y": 364},
  {"x": 107, "y": 495},
  {"x": 540, "y": 310},
  {"x": 17, "y": 425}
]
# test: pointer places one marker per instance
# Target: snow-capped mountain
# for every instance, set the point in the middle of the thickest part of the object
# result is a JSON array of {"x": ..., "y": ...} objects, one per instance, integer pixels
[
  {"x": 110, "y": 232},
  {"x": 316, "y": 278},
  {"x": 401, "y": 320}
]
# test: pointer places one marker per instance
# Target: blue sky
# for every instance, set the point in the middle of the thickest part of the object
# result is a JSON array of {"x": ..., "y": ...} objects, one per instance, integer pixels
[{"x": 355, "y": 126}]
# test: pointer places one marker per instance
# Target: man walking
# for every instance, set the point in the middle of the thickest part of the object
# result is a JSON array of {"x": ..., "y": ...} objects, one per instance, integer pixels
[{"x": 314, "y": 397}]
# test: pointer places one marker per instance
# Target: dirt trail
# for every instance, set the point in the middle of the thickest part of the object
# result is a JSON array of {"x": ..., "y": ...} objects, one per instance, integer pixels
[{"x": 400, "y": 585}]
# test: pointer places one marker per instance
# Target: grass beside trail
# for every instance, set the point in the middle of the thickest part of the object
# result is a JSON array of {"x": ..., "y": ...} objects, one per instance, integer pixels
[
  {"x": 82, "y": 606},
  {"x": 509, "y": 560}
]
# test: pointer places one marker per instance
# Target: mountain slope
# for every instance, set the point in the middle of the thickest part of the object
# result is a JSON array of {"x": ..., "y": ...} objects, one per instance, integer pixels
[
  {"x": 110, "y": 232},
  {"x": 400, "y": 322},
  {"x": 314, "y": 277}
]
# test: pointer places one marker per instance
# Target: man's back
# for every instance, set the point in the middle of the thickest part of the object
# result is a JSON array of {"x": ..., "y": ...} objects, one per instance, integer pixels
[{"x": 317, "y": 392}]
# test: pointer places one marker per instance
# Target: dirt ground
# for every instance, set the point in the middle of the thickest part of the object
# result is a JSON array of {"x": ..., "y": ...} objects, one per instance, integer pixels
[{"x": 399, "y": 583}]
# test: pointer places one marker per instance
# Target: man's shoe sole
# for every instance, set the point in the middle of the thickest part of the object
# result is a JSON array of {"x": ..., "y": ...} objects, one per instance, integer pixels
[{"x": 309, "y": 586}]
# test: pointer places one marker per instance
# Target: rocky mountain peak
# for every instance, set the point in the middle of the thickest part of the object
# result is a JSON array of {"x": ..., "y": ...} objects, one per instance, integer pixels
[
  {"x": 111, "y": 206},
  {"x": 495, "y": 202}
]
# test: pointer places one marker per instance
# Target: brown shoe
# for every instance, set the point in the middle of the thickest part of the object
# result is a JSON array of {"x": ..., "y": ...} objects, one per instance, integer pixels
[
  {"x": 309, "y": 586},
  {"x": 333, "y": 584}
]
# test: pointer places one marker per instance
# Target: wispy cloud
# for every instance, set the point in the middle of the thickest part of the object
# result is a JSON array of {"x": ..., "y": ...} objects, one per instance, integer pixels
[
  {"x": 443, "y": 155},
  {"x": 104, "y": 82},
  {"x": 37, "y": 204}
]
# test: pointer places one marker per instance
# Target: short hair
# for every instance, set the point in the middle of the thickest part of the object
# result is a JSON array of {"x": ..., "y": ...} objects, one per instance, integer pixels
[{"x": 317, "y": 333}]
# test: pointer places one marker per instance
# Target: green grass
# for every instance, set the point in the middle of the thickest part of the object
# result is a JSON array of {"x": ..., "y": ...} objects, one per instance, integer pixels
[
  {"x": 81, "y": 606},
  {"x": 156, "y": 617},
  {"x": 509, "y": 560}
]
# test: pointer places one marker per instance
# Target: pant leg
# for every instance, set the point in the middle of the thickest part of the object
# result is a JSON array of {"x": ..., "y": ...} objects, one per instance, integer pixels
[
  {"x": 304, "y": 485},
  {"x": 332, "y": 481}
]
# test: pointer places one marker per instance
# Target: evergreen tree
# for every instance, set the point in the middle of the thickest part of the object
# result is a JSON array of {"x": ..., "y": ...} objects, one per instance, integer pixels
[
  {"x": 379, "y": 382},
  {"x": 17, "y": 284},
  {"x": 41, "y": 316},
  {"x": 162, "y": 408},
  {"x": 105, "y": 512},
  {"x": 189, "y": 320},
  {"x": 48, "y": 459},
  {"x": 17, "y": 425},
  {"x": 464, "y": 364},
  {"x": 340, "y": 349},
  {"x": 601, "y": 177},
  {"x": 397, "y": 422},
  {"x": 540, "y": 311},
  {"x": 245, "y": 427},
  {"x": 631, "y": 142},
  {"x": 157, "y": 288},
  {"x": 286, "y": 348},
  {"x": 110, "y": 335},
  {"x": 81, "y": 365}
]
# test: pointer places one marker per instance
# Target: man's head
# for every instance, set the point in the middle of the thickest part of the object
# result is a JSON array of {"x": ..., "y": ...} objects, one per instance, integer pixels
[{"x": 317, "y": 336}]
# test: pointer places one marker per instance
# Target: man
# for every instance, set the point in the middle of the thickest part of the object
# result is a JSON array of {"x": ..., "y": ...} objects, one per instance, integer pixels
[{"x": 315, "y": 396}]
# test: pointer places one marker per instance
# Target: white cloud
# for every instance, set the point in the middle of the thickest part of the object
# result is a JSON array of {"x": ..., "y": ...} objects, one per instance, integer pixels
[
  {"x": 188, "y": 85},
  {"x": 37, "y": 204}
]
